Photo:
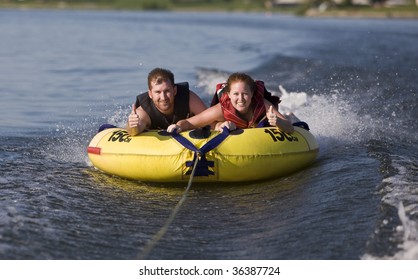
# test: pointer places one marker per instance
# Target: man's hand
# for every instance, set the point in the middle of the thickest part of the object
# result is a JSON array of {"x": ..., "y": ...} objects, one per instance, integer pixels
[{"x": 133, "y": 120}]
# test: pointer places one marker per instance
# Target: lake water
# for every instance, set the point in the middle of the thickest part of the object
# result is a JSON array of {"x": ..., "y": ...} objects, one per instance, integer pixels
[{"x": 64, "y": 73}]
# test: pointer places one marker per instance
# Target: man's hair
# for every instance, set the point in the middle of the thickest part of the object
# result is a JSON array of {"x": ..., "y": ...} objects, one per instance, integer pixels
[
  {"x": 160, "y": 75},
  {"x": 241, "y": 77}
]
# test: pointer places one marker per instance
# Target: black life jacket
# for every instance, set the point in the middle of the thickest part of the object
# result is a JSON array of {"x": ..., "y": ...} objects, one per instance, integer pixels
[{"x": 159, "y": 120}]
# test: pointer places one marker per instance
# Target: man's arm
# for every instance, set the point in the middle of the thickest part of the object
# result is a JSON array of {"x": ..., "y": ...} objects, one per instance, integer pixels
[
  {"x": 196, "y": 104},
  {"x": 137, "y": 122}
]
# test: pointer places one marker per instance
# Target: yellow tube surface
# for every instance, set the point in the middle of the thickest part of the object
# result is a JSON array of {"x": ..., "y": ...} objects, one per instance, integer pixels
[{"x": 246, "y": 155}]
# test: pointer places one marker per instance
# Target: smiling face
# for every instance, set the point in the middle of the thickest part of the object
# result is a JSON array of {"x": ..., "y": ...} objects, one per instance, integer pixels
[
  {"x": 162, "y": 95},
  {"x": 240, "y": 94}
]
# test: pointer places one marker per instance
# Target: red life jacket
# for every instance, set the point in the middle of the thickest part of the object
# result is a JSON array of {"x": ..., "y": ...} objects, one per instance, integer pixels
[{"x": 257, "y": 105}]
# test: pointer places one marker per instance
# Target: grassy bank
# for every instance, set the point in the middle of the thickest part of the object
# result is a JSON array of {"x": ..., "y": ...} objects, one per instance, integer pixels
[{"x": 215, "y": 5}]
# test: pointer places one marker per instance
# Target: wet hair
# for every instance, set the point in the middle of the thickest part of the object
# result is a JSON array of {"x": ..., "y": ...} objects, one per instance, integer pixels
[
  {"x": 160, "y": 75},
  {"x": 241, "y": 77}
]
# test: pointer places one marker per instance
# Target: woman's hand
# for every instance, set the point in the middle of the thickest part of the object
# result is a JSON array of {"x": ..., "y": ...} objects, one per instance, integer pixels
[
  {"x": 173, "y": 127},
  {"x": 229, "y": 125},
  {"x": 271, "y": 116}
]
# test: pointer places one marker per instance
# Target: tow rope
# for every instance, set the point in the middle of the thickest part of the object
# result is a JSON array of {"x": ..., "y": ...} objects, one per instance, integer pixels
[{"x": 199, "y": 157}]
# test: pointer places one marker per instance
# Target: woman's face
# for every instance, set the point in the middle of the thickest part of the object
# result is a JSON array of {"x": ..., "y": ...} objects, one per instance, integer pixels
[{"x": 240, "y": 95}]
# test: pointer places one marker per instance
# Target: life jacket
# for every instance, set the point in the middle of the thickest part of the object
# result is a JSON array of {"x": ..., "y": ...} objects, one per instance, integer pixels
[
  {"x": 158, "y": 119},
  {"x": 275, "y": 100},
  {"x": 257, "y": 104}
]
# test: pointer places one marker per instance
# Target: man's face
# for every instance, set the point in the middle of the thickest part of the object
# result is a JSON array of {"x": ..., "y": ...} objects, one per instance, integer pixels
[{"x": 162, "y": 96}]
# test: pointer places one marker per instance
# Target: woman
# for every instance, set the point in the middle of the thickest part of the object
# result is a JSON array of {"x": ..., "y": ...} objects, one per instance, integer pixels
[{"x": 241, "y": 106}]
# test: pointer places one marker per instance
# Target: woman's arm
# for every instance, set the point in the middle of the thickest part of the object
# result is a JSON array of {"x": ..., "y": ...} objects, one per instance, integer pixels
[{"x": 207, "y": 117}]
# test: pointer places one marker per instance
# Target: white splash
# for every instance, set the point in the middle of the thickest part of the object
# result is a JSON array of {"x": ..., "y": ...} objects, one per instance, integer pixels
[
  {"x": 400, "y": 191},
  {"x": 329, "y": 116},
  {"x": 209, "y": 78},
  {"x": 409, "y": 229}
]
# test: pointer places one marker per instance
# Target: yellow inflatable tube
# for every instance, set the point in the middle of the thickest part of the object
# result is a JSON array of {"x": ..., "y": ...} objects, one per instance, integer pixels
[{"x": 244, "y": 155}]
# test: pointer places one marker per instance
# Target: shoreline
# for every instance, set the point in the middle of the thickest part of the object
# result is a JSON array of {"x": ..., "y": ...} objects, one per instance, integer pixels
[
  {"x": 357, "y": 14},
  {"x": 352, "y": 12}
]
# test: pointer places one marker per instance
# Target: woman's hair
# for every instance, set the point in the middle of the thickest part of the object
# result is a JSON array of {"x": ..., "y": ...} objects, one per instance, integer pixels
[
  {"x": 241, "y": 77},
  {"x": 160, "y": 75}
]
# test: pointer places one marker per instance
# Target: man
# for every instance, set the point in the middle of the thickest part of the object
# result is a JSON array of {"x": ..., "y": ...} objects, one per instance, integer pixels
[{"x": 165, "y": 103}]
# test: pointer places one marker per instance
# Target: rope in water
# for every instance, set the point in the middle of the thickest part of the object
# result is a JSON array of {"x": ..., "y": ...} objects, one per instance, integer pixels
[{"x": 151, "y": 244}]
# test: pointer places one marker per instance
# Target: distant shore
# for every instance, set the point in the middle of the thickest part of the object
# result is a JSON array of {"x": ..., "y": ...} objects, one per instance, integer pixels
[
  {"x": 406, "y": 12},
  {"x": 389, "y": 13}
]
